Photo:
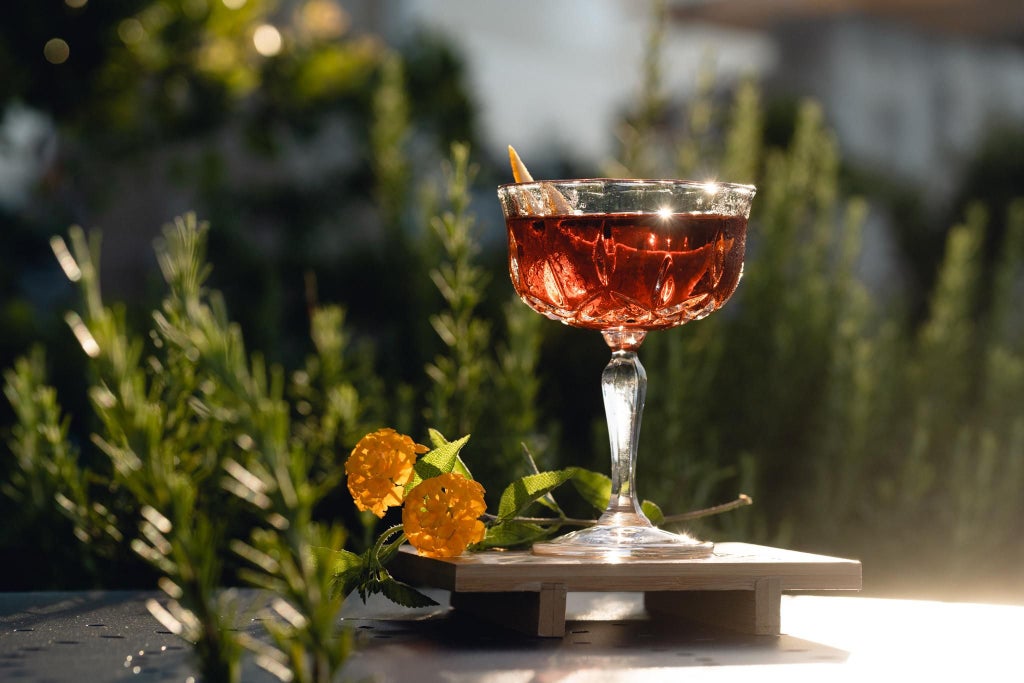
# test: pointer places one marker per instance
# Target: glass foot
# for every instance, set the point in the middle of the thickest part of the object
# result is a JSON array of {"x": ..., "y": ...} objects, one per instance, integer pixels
[{"x": 612, "y": 543}]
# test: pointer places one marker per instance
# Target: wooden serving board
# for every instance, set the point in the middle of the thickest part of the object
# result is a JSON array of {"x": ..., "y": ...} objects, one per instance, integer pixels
[{"x": 739, "y": 587}]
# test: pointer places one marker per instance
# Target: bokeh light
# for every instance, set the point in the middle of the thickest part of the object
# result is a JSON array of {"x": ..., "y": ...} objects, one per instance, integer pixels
[
  {"x": 56, "y": 51},
  {"x": 267, "y": 40},
  {"x": 131, "y": 31},
  {"x": 323, "y": 19},
  {"x": 217, "y": 56}
]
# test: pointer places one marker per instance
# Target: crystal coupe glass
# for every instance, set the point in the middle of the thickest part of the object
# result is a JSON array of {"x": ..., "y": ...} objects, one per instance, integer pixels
[{"x": 625, "y": 257}]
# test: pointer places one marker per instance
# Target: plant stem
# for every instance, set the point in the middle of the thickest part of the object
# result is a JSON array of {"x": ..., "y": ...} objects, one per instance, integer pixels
[{"x": 742, "y": 500}]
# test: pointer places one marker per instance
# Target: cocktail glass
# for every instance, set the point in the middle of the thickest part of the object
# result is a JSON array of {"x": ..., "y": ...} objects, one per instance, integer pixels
[{"x": 625, "y": 257}]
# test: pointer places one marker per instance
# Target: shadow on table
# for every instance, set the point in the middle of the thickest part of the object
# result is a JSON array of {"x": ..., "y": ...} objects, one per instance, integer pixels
[
  {"x": 86, "y": 636},
  {"x": 448, "y": 646},
  {"x": 25, "y": 610}
]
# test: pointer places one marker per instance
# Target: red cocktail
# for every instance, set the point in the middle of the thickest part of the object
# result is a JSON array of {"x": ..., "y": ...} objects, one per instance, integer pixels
[
  {"x": 625, "y": 257},
  {"x": 636, "y": 270}
]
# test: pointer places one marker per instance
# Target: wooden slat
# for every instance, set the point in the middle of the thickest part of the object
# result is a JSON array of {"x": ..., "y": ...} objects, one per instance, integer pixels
[
  {"x": 755, "y": 611},
  {"x": 734, "y": 566},
  {"x": 739, "y": 587},
  {"x": 540, "y": 613}
]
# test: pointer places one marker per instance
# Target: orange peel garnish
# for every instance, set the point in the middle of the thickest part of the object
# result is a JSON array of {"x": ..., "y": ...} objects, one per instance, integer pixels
[
  {"x": 555, "y": 200},
  {"x": 519, "y": 171}
]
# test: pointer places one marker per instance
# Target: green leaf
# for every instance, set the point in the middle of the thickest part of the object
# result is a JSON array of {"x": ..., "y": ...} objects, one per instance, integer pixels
[
  {"x": 442, "y": 459},
  {"x": 460, "y": 468},
  {"x": 348, "y": 580},
  {"x": 653, "y": 512},
  {"x": 593, "y": 487},
  {"x": 436, "y": 438},
  {"x": 338, "y": 561},
  {"x": 404, "y": 594},
  {"x": 548, "y": 501},
  {"x": 386, "y": 548},
  {"x": 596, "y": 489},
  {"x": 514, "y": 533},
  {"x": 423, "y": 469},
  {"x": 520, "y": 493},
  {"x": 352, "y": 572}
]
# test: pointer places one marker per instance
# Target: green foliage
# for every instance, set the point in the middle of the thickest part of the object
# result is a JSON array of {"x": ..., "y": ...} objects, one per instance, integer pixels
[
  {"x": 638, "y": 157},
  {"x": 517, "y": 384},
  {"x": 511, "y": 527},
  {"x": 388, "y": 136},
  {"x": 180, "y": 420},
  {"x": 144, "y": 68},
  {"x": 524, "y": 491},
  {"x": 467, "y": 369},
  {"x": 443, "y": 458},
  {"x": 459, "y": 375},
  {"x": 367, "y": 573},
  {"x": 858, "y": 430},
  {"x": 596, "y": 490},
  {"x": 39, "y": 439},
  {"x": 48, "y": 487},
  {"x": 299, "y": 158},
  {"x": 961, "y": 470}
]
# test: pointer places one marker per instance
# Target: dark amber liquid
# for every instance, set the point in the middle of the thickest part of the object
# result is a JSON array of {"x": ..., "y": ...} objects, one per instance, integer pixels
[{"x": 626, "y": 270}]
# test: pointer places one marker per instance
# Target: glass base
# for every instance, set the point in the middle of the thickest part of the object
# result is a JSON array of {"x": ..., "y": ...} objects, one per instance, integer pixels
[{"x": 611, "y": 543}]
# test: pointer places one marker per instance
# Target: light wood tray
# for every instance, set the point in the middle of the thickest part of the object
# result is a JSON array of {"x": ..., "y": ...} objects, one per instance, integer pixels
[{"x": 739, "y": 587}]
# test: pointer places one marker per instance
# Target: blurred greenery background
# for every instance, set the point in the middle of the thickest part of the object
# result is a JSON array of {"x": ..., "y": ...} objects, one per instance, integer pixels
[{"x": 874, "y": 418}]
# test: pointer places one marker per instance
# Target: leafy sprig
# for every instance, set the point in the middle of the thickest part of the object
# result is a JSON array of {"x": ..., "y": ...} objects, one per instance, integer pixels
[
  {"x": 510, "y": 527},
  {"x": 189, "y": 416},
  {"x": 367, "y": 573}
]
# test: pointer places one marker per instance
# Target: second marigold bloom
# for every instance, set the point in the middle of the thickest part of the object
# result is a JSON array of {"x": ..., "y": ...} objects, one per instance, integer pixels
[
  {"x": 378, "y": 469},
  {"x": 440, "y": 517}
]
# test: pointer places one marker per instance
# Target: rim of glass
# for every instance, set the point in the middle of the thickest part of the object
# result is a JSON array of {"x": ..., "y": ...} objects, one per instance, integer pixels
[{"x": 704, "y": 184}]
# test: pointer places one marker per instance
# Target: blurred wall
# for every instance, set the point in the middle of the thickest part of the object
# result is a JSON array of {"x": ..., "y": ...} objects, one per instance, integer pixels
[{"x": 552, "y": 78}]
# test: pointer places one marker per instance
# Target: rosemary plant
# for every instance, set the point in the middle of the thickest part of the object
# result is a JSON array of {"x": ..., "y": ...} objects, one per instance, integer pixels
[
  {"x": 388, "y": 137},
  {"x": 460, "y": 373},
  {"x": 180, "y": 421},
  {"x": 857, "y": 428},
  {"x": 491, "y": 393}
]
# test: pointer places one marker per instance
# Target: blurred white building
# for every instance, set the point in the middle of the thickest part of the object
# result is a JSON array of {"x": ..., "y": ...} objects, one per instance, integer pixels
[
  {"x": 553, "y": 77},
  {"x": 911, "y": 100},
  {"x": 910, "y": 86}
]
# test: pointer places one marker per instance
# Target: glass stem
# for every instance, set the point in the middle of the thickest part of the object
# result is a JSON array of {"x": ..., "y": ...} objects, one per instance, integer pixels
[{"x": 624, "y": 385}]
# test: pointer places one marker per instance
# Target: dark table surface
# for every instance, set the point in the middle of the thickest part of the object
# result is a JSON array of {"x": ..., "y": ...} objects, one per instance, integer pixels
[{"x": 107, "y": 636}]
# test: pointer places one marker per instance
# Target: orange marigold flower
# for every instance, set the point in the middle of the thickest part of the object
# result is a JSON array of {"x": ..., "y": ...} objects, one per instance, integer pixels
[
  {"x": 440, "y": 515},
  {"x": 378, "y": 469}
]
